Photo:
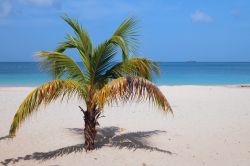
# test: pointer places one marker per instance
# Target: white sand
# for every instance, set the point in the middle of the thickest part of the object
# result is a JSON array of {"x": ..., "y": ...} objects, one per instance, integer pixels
[{"x": 210, "y": 126}]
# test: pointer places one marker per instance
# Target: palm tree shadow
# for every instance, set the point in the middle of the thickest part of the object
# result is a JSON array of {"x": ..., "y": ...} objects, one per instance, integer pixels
[
  {"x": 108, "y": 136},
  {"x": 4, "y": 137},
  {"x": 111, "y": 137}
]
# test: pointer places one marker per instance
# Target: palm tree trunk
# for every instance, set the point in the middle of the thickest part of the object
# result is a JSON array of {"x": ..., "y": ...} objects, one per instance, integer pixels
[
  {"x": 90, "y": 129},
  {"x": 90, "y": 119}
]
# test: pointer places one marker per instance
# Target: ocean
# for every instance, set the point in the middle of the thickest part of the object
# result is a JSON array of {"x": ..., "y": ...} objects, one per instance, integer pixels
[{"x": 172, "y": 73}]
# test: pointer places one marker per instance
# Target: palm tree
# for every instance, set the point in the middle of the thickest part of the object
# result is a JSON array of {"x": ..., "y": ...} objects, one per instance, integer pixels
[{"x": 101, "y": 81}]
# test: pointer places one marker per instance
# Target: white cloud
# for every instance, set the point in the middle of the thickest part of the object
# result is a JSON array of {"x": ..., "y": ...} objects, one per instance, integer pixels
[
  {"x": 5, "y": 8},
  {"x": 202, "y": 17},
  {"x": 41, "y": 3}
]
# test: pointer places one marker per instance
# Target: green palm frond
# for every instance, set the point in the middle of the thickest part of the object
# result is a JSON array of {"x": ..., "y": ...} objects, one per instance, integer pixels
[
  {"x": 131, "y": 88},
  {"x": 44, "y": 94},
  {"x": 81, "y": 34},
  {"x": 102, "y": 60},
  {"x": 118, "y": 40},
  {"x": 65, "y": 45},
  {"x": 85, "y": 57},
  {"x": 140, "y": 67},
  {"x": 60, "y": 65},
  {"x": 126, "y": 36}
]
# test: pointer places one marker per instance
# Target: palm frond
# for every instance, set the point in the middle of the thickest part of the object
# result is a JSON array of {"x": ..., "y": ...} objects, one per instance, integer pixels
[
  {"x": 85, "y": 57},
  {"x": 44, "y": 95},
  {"x": 102, "y": 60},
  {"x": 118, "y": 40},
  {"x": 65, "y": 45},
  {"x": 60, "y": 65},
  {"x": 81, "y": 34},
  {"x": 140, "y": 67},
  {"x": 131, "y": 88},
  {"x": 126, "y": 37}
]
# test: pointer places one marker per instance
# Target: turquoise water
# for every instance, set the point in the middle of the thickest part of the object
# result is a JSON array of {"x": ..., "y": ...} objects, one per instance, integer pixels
[
  {"x": 204, "y": 73},
  {"x": 172, "y": 73}
]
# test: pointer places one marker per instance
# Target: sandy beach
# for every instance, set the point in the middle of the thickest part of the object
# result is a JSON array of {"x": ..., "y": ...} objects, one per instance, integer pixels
[{"x": 210, "y": 126}]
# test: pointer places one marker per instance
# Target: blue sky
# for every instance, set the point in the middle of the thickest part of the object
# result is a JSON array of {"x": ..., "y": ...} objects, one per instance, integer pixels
[{"x": 170, "y": 30}]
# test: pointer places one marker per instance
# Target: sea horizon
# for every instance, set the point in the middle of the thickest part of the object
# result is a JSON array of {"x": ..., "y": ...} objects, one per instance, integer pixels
[
  {"x": 25, "y": 74},
  {"x": 191, "y": 61}
]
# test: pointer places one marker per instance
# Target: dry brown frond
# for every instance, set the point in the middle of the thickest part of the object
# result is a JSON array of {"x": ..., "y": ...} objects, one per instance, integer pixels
[
  {"x": 132, "y": 88},
  {"x": 44, "y": 94}
]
